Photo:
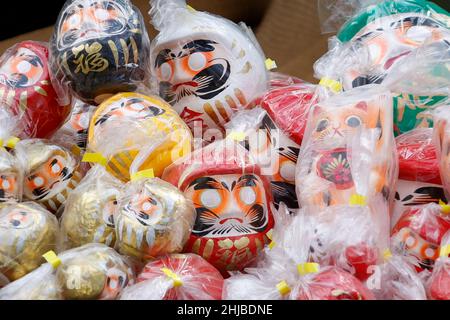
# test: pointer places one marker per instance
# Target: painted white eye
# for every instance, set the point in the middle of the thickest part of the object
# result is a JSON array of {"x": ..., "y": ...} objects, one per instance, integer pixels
[
  {"x": 410, "y": 241},
  {"x": 56, "y": 168},
  {"x": 374, "y": 51},
  {"x": 74, "y": 21},
  {"x": 146, "y": 206},
  {"x": 24, "y": 66},
  {"x": 353, "y": 121},
  {"x": 166, "y": 71},
  {"x": 137, "y": 106},
  {"x": 247, "y": 195},
  {"x": 38, "y": 181},
  {"x": 429, "y": 252},
  {"x": 84, "y": 120},
  {"x": 418, "y": 34},
  {"x": 101, "y": 14},
  {"x": 5, "y": 184},
  {"x": 287, "y": 171},
  {"x": 210, "y": 198},
  {"x": 197, "y": 61}
]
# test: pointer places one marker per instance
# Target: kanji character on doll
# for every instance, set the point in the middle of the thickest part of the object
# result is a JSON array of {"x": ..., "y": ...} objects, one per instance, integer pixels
[
  {"x": 232, "y": 200},
  {"x": 99, "y": 48},
  {"x": 26, "y": 90},
  {"x": 176, "y": 277},
  {"x": 206, "y": 67}
]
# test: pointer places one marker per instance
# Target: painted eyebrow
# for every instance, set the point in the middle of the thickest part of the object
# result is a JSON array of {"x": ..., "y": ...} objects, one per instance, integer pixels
[
  {"x": 206, "y": 183},
  {"x": 200, "y": 46},
  {"x": 248, "y": 180},
  {"x": 134, "y": 100},
  {"x": 162, "y": 57}
]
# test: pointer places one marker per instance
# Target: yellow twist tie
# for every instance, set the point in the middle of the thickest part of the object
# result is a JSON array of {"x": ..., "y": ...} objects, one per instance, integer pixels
[
  {"x": 269, "y": 234},
  {"x": 445, "y": 251},
  {"x": 308, "y": 267},
  {"x": 445, "y": 208},
  {"x": 190, "y": 8},
  {"x": 173, "y": 276},
  {"x": 387, "y": 254},
  {"x": 270, "y": 64},
  {"x": 95, "y": 158},
  {"x": 271, "y": 245},
  {"x": 52, "y": 258},
  {"x": 283, "y": 288},
  {"x": 11, "y": 142},
  {"x": 237, "y": 136},
  {"x": 334, "y": 85},
  {"x": 142, "y": 175},
  {"x": 357, "y": 200}
]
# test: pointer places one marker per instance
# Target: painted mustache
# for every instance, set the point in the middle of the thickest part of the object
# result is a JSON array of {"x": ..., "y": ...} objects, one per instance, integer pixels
[
  {"x": 209, "y": 223},
  {"x": 205, "y": 85}
]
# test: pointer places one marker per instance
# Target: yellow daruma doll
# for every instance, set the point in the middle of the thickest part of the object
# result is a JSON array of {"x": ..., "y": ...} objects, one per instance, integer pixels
[{"x": 134, "y": 130}]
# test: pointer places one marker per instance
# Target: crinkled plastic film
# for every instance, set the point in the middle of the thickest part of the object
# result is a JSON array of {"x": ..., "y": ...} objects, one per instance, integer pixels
[
  {"x": 98, "y": 48},
  {"x": 177, "y": 277},
  {"x": 93, "y": 271},
  {"x": 438, "y": 285}
]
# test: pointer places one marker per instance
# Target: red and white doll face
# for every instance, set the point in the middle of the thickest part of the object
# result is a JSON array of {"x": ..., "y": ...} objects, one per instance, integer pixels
[
  {"x": 22, "y": 70},
  {"x": 228, "y": 206},
  {"x": 9, "y": 186}
]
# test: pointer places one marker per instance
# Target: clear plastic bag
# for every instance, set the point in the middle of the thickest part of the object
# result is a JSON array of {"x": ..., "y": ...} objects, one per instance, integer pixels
[
  {"x": 27, "y": 92},
  {"x": 50, "y": 172},
  {"x": 27, "y": 231},
  {"x": 232, "y": 200},
  {"x": 153, "y": 218},
  {"x": 441, "y": 118},
  {"x": 348, "y": 149},
  {"x": 396, "y": 279},
  {"x": 176, "y": 277},
  {"x": 89, "y": 212},
  {"x": 438, "y": 285},
  {"x": 418, "y": 234},
  {"x": 98, "y": 48},
  {"x": 132, "y": 129},
  {"x": 205, "y": 66},
  {"x": 93, "y": 271}
]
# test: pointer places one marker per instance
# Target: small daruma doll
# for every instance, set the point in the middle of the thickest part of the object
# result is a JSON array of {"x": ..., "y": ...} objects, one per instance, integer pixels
[
  {"x": 26, "y": 90},
  {"x": 232, "y": 200},
  {"x": 99, "y": 48},
  {"x": 134, "y": 130},
  {"x": 206, "y": 67},
  {"x": 27, "y": 231},
  {"x": 347, "y": 150},
  {"x": 89, "y": 211},
  {"x": 50, "y": 172},
  {"x": 153, "y": 218}
]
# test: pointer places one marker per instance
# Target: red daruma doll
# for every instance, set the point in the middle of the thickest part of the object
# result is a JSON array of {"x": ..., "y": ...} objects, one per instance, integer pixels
[
  {"x": 26, "y": 90},
  {"x": 232, "y": 200},
  {"x": 177, "y": 277}
]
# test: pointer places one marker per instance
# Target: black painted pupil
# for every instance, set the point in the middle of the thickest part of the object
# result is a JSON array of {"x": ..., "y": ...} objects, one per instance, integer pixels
[
  {"x": 353, "y": 122},
  {"x": 323, "y": 124}
]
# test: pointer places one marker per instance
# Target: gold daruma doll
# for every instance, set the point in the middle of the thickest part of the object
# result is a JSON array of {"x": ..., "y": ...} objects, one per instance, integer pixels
[
  {"x": 89, "y": 211},
  {"x": 27, "y": 231},
  {"x": 134, "y": 129},
  {"x": 50, "y": 172},
  {"x": 154, "y": 218}
]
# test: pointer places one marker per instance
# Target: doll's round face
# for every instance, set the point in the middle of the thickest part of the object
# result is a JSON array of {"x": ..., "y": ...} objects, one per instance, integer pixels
[
  {"x": 23, "y": 69},
  {"x": 18, "y": 219},
  {"x": 88, "y": 19},
  {"x": 392, "y": 38},
  {"x": 49, "y": 177},
  {"x": 8, "y": 186},
  {"x": 228, "y": 205},
  {"x": 145, "y": 208}
]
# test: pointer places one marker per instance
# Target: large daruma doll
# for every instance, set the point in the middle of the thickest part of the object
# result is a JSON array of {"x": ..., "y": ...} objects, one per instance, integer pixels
[
  {"x": 232, "y": 200},
  {"x": 99, "y": 48},
  {"x": 205, "y": 66},
  {"x": 26, "y": 90}
]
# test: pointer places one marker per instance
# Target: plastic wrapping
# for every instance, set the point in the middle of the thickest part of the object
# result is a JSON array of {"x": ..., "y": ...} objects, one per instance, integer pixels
[
  {"x": 27, "y": 231},
  {"x": 50, "y": 172},
  {"x": 232, "y": 200},
  {"x": 396, "y": 279},
  {"x": 176, "y": 277},
  {"x": 418, "y": 233},
  {"x": 441, "y": 118},
  {"x": 275, "y": 128},
  {"x": 132, "y": 129},
  {"x": 438, "y": 285},
  {"x": 205, "y": 66},
  {"x": 26, "y": 90},
  {"x": 153, "y": 218},
  {"x": 98, "y": 48},
  {"x": 89, "y": 211},
  {"x": 74, "y": 133},
  {"x": 93, "y": 271},
  {"x": 348, "y": 149}
]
